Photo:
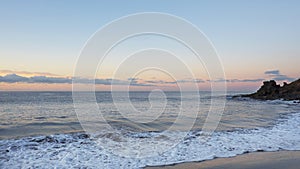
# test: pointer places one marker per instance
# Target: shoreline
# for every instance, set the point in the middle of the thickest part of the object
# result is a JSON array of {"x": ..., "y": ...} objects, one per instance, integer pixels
[{"x": 254, "y": 160}]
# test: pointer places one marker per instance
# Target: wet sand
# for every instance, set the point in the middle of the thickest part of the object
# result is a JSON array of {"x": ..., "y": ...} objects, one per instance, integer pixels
[{"x": 257, "y": 160}]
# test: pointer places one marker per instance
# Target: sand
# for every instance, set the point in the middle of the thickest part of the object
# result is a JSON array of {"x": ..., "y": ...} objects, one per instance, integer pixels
[{"x": 257, "y": 160}]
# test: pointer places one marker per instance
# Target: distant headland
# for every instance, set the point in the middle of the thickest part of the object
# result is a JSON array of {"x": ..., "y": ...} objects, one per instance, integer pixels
[{"x": 271, "y": 91}]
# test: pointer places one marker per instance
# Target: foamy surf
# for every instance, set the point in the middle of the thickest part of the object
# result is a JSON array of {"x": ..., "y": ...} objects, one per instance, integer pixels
[{"x": 81, "y": 150}]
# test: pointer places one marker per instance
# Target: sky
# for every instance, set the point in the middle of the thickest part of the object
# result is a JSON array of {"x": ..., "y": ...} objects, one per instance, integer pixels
[{"x": 41, "y": 40}]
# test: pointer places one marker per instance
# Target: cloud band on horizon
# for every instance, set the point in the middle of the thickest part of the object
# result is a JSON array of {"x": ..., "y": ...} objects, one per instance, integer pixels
[
  {"x": 276, "y": 75},
  {"x": 15, "y": 78}
]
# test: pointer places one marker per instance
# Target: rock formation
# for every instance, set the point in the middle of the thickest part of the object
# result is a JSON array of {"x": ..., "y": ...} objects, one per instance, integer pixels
[{"x": 271, "y": 91}]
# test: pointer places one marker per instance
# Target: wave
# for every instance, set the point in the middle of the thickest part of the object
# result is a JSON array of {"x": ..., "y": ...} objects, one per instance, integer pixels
[{"x": 82, "y": 150}]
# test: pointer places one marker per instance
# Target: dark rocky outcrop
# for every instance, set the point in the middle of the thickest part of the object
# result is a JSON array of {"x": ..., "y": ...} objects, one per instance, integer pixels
[{"x": 271, "y": 91}]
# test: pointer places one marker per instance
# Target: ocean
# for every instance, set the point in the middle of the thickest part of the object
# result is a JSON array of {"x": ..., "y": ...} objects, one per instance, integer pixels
[{"x": 42, "y": 129}]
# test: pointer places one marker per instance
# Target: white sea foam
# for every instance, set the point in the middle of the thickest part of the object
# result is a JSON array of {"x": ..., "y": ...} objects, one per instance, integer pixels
[{"x": 78, "y": 150}]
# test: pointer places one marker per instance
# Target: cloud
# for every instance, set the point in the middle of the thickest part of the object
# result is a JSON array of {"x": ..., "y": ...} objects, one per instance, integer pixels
[
  {"x": 236, "y": 80},
  {"x": 44, "y": 79},
  {"x": 248, "y": 80},
  {"x": 272, "y": 72},
  {"x": 133, "y": 79},
  {"x": 276, "y": 75},
  {"x": 14, "y": 78},
  {"x": 176, "y": 81},
  {"x": 283, "y": 78},
  {"x": 191, "y": 81},
  {"x": 155, "y": 81},
  {"x": 27, "y": 73},
  {"x": 219, "y": 80}
]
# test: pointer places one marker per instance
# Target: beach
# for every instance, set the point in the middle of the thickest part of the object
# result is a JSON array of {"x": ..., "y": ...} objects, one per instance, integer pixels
[{"x": 273, "y": 160}]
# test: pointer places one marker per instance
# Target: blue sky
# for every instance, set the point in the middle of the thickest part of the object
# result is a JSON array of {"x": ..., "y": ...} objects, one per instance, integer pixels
[{"x": 251, "y": 37}]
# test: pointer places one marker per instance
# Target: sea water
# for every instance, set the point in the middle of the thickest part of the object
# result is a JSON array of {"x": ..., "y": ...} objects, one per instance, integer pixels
[{"x": 42, "y": 130}]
